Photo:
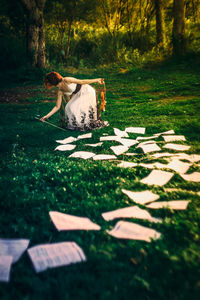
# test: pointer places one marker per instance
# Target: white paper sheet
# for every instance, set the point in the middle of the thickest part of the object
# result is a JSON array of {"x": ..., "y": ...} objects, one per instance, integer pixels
[
  {"x": 120, "y": 133},
  {"x": 130, "y": 212},
  {"x": 166, "y": 132},
  {"x": 141, "y": 138},
  {"x": 176, "y": 204},
  {"x": 152, "y": 166},
  {"x": 138, "y": 130},
  {"x": 104, "y": 157},
  {"x": 13, "y": 247},
  {"x": 128, "y": 142},
  {"x": 67, "y": 147},
  {"x": 127, "y": 164},
  {"x": 147, "y": 148},
  {"x": 55, "y": 255},
  {"x": 190, "y": 157},
  {"x": 94, "y": 145},
  {"x": 82, "y": 154},
  {"x": 118, "y": 150},
  {"x": 110, "y": 138},
  {"x": 68, "y": 140},
  {"x": 5, "y": 266},
  {"x": 178, "y": 166},
  {"x": 69, "y": 222},
  {"x": 164, "y": 154},
  {"x": 146, "y": 143},
  {"x": 195, "y": 176},
  {"x": 128, "y": 230},
  {"x": 176, "y": 147},
  {"x": 172, "y": 138},
  {"x": 84, "y": 136},
  {"x": 131, "y": 154},
  {"x": 157, "y": 177},
  {"x": 141, "y": 197}
]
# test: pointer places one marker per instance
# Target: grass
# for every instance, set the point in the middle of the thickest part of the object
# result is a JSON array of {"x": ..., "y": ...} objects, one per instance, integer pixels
[{"x": 35, "y": 179}]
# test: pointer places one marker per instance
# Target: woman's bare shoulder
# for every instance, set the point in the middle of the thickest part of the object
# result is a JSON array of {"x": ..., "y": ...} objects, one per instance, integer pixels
[{"x": 71, "y": 80}]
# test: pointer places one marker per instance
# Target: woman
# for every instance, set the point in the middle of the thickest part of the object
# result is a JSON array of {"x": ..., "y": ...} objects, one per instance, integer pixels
[{"x": 81, "y": 111}]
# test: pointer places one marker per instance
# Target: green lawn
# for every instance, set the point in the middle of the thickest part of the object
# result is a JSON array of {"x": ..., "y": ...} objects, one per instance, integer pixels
[{"x": 36, "y": 179}]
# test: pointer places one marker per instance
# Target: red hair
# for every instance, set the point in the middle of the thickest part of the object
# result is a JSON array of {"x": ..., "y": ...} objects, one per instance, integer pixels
[{"x": 52, "y": 78}]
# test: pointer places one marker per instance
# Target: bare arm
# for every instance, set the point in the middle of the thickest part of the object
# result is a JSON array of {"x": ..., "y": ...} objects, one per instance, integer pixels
[
  {"x": 56, "y": 107},
  {"x": 84, "y": 81}
]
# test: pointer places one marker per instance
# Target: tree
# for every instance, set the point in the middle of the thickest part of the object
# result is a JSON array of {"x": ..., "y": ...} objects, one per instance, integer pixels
[
  {"x": 160, "y": 24},
  {"x": 178, "y": 34},
  {"x": 35, "y": 32}
]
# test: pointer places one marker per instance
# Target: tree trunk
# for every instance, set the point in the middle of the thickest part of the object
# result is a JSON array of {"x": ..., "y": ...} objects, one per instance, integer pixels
[
  {"x": 178, "y": 34},
  {"x": 160, "y": 24},
  {"x": 35, "y": 32}
]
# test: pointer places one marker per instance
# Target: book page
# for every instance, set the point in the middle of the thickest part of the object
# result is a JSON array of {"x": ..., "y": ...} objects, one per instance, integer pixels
[
  {"x": 55, "y": 255},
  {"x": 109, "y": 138},
  {"x": 5, "y": 266},
  {"x": 68, "y": 140},
  {"x": 120, "y": 133},
  {"x": 104, "y": 157},
  {"x": 138, "y": 130},
  {"x": 130, "y": 212},
  {"x": 94, "y": 145},
  {"x": 70, "y": 222},
  {"x": 195, "y": 176},
  {"x": 118, "y": 150},
  {"x": 149, "y": 148},
  {"x": 172, "y": 138},
  {"x": 177, "y": 147},
  {"x": 128, "y": 230},
  {"x": 157, "y": 177},
  {"x": 142, "y": 197},
  {"x": 128, "y": 142},
  {"x": 67, "y": 147},
  {"x": 84, "y": 136},
  {"x": 82, "y": 154},
  {"x": 176, "y": 204},
  {"x": 127, "y": 164},
  {"x": 13, "y": 247}
]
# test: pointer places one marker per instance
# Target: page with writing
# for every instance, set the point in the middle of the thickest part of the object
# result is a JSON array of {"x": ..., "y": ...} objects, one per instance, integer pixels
[
  {"x": 5, "y": 267},
  {"x": 55, "y": 255},
  {"x": 13, "y": 247}
]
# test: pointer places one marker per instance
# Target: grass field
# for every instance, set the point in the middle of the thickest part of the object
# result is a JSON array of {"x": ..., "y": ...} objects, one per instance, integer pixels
[{"x": 36, "y": 179}]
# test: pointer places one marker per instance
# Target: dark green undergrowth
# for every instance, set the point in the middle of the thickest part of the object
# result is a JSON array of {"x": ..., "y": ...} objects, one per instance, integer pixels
[{"x": 35, "y": 179}]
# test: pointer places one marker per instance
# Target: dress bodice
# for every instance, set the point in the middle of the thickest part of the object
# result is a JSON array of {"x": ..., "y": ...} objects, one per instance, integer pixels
[{"x": 70, "y": 87}]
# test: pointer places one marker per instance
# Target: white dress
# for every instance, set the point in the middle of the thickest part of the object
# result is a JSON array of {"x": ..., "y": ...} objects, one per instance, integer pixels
[{"x": 82, "y": 110}]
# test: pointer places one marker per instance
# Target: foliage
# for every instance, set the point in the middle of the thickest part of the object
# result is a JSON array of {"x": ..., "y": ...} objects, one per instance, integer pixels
[{"x": 36, "y": 179}]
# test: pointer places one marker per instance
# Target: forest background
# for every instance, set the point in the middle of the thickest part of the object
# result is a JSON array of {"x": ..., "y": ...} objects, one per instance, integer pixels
[{"x": 91, "y": 33}]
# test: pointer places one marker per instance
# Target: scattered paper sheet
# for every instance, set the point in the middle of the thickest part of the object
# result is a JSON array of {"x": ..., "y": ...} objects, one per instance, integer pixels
[
  {"x": 164, "y": 154},
  {"x": 198, "y": 193},
  {"x": 120, "y": 133},
  {"x": 85, "y": 136},
  {"x": 195, "y": 176},
  {"x": 55, "y": 255},
  {"x": 166, "y": 132},
  {"x": 177, "y": 147},
  {"x": 13, "y": 247},
  {"x": 128, "y": 230},
  {"x": 67, "y": 147},
  {"x": 110, "y": 138},
  {"x": 94, "y": 145},
  {"x": 176, "y": 204},
  {"x": 141, "y": 197},
  {"x": 178, "y": 166},
  {"x": 68, "y": 140},
  {"x": 139, "y": 138},
  {"x": 82, "y": 154},
  {"x": 131, "y": 154},
  {"x": 130, "y": 212},
  {"x": 146, "y": 143},
  {"x": 128, "y": 142},
  {"x": 118, "y": 150},
  {"x": 69, "y": 222},
  {"x": 172, "y": 138},
  {"x": 190, "y": 157},
  {"x": 149, "y": 148},
  {"x": 5, "y": 266},
  {"x": 152, "y": 166},
  {"x": 127, "y": 164},
  {"x": 138, "y": 130},
  {"x": 104, "y": 157},
  {"x": 157, "y": 177}
]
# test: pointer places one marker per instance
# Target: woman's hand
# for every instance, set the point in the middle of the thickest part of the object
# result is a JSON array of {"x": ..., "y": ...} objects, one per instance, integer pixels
[
  {"x": 43, "y": 119},
  {"x": 100, "y": 80}
]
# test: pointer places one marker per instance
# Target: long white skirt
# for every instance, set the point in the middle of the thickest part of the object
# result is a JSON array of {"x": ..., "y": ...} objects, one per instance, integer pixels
[{"x": 81, "y": 112}]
